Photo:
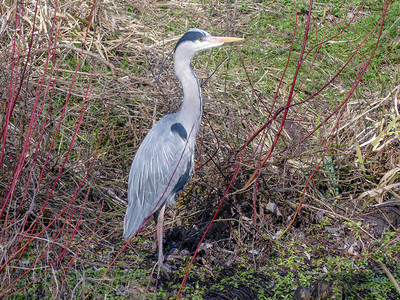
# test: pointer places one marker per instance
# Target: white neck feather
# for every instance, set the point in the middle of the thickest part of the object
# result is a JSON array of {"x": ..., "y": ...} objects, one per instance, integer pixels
[{"x": 191, "y": 109}]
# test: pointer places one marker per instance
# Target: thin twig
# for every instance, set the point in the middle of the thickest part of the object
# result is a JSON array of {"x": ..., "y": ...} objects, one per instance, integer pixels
[{"x": 390, "y": 275}]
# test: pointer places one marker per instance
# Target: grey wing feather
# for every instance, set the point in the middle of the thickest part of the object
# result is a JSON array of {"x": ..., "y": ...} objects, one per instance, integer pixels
[{"x": 161, "y": 167}]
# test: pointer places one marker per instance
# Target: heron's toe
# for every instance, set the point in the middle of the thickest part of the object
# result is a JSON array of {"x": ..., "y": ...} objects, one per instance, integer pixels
[{"x": 166, "y": 267}]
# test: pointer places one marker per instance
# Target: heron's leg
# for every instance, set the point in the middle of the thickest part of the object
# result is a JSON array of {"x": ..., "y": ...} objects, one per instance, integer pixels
[
  {"x": 159, "y": 218},
  {"x": 160, "y": 233}
]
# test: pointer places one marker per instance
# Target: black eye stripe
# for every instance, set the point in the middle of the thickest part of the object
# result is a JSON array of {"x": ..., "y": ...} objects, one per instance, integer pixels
[{"x": 191, "y": 35}]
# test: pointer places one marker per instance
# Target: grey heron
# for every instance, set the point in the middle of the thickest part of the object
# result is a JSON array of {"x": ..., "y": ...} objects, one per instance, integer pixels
[{"x": 164, "y": 161}]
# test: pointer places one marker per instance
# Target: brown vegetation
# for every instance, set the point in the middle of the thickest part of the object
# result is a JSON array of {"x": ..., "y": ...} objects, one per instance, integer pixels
[{"x": 79, "y": 91}]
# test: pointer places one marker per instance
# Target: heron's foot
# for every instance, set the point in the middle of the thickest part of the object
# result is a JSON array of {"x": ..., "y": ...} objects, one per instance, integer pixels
[
  {"x": 166, "y": 270},
  {"x": 165, "y": 267}
]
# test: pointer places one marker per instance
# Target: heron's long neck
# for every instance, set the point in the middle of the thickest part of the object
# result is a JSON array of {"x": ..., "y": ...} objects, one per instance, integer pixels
[{"x": 191, "y": 109}]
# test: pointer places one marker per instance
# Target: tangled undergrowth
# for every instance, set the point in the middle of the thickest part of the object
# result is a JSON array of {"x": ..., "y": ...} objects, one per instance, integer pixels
[{"x": 297, "y": 158}]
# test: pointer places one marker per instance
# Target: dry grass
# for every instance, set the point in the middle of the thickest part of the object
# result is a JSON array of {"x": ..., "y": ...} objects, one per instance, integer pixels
[{"x": 63, "y": 204}]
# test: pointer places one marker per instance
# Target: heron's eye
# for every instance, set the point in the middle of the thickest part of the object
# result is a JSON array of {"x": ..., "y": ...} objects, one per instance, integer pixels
[{"x": 200, "y": 39}]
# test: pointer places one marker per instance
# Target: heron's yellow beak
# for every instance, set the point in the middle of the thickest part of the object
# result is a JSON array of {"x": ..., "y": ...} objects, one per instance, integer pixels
[{"x": 224, "y": 39}]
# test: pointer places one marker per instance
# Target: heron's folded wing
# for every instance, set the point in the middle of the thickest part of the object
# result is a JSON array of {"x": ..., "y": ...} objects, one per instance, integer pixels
[{"x": 160, "y": 169}]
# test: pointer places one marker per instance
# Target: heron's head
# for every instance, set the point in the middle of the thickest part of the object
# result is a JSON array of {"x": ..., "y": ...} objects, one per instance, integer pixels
[{"x": 196, "y": 40}]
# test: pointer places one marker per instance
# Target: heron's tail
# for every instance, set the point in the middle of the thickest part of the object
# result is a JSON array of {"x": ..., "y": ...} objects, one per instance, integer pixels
[{"x": 132, "y": 222}]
